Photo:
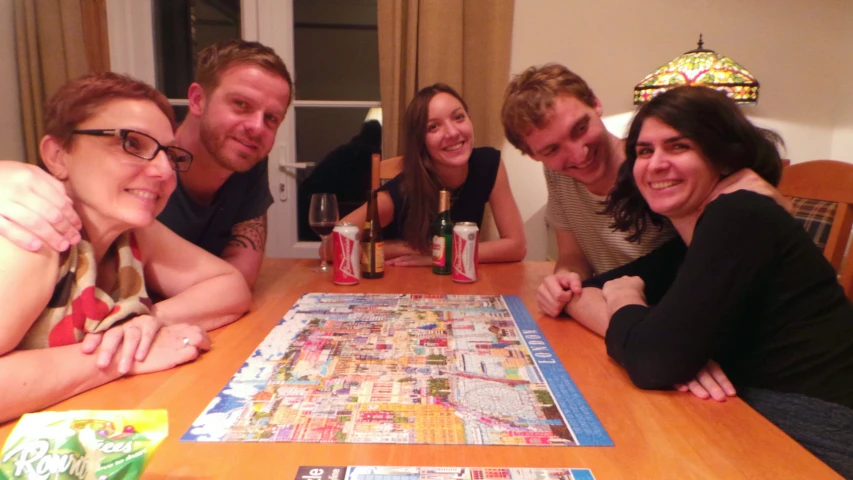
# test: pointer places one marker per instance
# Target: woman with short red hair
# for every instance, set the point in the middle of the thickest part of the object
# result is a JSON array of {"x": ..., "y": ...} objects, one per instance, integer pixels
[{"x": 109, "y": 140}]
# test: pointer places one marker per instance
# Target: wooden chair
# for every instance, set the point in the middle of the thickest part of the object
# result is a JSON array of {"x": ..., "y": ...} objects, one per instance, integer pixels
[
  {"x": 828, "y": 182},
  {"x": 384, "y": 170}
]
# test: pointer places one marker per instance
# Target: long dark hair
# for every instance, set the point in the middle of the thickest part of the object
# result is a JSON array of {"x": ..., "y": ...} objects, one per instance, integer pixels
[
  {"x": 420, "y": 183},
  {"x": 725, "y": 137}
]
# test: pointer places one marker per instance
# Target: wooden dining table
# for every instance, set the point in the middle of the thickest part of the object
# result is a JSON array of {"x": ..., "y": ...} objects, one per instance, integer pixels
[{"x": 656, "y": 434}]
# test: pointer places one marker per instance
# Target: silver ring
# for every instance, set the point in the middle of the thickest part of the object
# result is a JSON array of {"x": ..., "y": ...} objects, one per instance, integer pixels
[{"x": 186, "y": 341}]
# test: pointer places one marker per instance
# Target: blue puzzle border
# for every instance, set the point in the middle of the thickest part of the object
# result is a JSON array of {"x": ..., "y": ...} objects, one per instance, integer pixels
[{"x": 583, "y": 421}]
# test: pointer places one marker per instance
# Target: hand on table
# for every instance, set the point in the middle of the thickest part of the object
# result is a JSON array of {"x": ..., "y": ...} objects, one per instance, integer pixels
[
  {"x": 410, "y": 261},
  {"x": 556, "y": 290},
  {"x": 711, "y": 381},
  {"x": 174, "y": 344},
  {"x": 35, "y": 209},
  {"x": 624, "y": 291},
  {"x": 134, "y": 337}
]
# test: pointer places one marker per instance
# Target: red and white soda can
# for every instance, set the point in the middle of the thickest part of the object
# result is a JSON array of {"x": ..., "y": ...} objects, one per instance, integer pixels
[
  {"x": 466, "y": 237},
  {"x": 347, "y": 253}
]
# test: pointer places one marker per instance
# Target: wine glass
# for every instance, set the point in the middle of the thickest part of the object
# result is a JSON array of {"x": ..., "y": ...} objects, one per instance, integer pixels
[{"x": 322, "y": 216}]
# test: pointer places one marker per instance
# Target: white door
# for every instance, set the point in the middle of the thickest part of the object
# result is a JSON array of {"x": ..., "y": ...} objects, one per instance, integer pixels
[{"x": 329, "y": 45}]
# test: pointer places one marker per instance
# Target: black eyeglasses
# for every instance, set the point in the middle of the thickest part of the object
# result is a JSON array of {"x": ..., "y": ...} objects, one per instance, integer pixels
[{"x": 145, "y": 146}]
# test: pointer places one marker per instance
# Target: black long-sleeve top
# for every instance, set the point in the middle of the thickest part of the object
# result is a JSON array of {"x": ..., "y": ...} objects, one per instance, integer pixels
[{"x": 752, "y": 292}]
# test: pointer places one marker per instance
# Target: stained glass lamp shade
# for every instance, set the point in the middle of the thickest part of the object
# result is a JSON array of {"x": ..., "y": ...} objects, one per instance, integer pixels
[{"x": 700, "y": 67}]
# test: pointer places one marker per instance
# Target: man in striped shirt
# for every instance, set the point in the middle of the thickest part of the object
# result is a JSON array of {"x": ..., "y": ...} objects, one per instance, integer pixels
[{"x": 552, "y": 115}]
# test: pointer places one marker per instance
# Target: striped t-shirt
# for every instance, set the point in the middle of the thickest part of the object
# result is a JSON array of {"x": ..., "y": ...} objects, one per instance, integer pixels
[{"x": 572, "y": 208}]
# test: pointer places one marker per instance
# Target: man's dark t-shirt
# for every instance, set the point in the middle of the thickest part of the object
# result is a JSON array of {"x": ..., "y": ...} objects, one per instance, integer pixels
[{"x": 244, "y": 196}]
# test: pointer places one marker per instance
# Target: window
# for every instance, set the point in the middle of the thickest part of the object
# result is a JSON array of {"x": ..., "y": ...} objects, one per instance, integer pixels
[
  {"x": 182, "y": 28},
  {"x": 336, "y": 60}
]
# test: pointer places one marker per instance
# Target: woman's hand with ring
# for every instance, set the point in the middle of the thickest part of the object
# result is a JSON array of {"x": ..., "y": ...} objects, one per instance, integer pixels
[
  {"x": 174, "y": 344},
  {"x": 134, "y": 337}
]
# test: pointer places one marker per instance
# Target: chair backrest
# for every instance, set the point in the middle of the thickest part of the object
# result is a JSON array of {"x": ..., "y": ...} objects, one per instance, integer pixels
[
  {"x": 384, "y": 170},
  {"x": 829, "y": 182}
]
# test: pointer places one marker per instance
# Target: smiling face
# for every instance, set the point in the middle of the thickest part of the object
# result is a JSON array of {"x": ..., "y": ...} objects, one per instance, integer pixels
[
  {"x": 671, "y": 173},
  {"x": 449, "y": 132},
  {"x": 574, "y": 142},
  {"x": 114, "y": 187},
  {"x": 240, "y": 117}
]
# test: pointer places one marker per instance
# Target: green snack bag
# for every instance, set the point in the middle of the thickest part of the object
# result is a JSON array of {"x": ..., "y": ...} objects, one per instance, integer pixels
[{"x": 83, "y": 445}]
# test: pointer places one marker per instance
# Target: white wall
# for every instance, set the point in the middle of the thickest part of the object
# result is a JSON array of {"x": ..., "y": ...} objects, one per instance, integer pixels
[
  {"x": 11, "y": 135},
  {"x": 842, "y": 138},
  {"x": 799, "y": 52}
]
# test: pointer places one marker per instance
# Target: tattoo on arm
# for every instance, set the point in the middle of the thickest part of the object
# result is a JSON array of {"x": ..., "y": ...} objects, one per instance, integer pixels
[{"x": 250, "y": 234}]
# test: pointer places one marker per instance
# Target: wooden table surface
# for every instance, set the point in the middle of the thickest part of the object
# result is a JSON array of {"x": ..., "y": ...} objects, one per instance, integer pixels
[{"x": 656, "y": 434}]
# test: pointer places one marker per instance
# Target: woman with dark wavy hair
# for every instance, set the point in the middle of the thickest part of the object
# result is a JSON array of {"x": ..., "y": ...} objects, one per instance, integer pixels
[
  {"x": 746, "y": 288},
  {"x": 439, "y": 154}
]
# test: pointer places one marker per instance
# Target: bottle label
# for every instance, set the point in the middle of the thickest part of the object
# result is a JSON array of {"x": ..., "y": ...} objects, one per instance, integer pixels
[
  {"x": 380, "y": 256},
  {"x": 365, "y": 257},
  {"x": 368, "y": 253},
  {"x": 439, "y": 257}
]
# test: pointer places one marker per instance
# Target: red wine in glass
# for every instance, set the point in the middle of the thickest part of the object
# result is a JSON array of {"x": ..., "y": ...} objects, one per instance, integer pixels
[
  {"x": 322, "y": 216},
  {"x": 323, "y": 228}
]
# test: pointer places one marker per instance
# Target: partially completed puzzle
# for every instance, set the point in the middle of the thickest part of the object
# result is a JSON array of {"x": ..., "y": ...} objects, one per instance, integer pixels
[{"x": 410, "y": 369}]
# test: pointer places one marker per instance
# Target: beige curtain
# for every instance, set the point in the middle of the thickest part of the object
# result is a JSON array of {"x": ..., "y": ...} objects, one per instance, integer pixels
[
  {"x": 50, "y": 51},
  {"x": 464, "y": 43},
  {"x": 96, "y": 34}
]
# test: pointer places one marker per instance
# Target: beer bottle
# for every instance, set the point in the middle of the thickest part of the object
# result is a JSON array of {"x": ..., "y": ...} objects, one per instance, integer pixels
[
  {"x": 442, "y": 236},
  {"x": 372, "y": 246}
]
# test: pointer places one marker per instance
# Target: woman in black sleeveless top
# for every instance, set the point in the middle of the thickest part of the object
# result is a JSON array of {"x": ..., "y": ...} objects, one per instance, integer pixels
[{"x": 439, "y": 154}]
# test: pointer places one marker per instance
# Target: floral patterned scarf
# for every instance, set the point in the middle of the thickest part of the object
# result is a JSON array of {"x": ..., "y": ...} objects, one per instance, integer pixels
[{"x": 78, "y": 306}]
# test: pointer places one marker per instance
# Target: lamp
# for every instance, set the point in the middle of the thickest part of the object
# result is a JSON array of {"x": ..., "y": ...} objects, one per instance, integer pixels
[
  {"x": 375, "y": 113},
  {"x": 700, "y": 67}
]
